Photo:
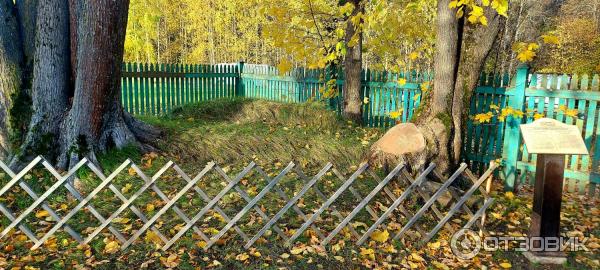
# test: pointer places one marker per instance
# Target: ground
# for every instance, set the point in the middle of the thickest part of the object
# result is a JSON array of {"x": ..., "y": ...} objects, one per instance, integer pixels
[{"x": 233, "y": 133}]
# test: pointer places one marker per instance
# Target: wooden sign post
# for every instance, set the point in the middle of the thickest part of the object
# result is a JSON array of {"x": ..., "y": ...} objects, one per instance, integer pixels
[{"x": 551, "y": 140}]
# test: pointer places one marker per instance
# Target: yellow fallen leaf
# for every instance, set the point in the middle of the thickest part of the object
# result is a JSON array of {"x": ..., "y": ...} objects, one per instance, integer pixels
[
  {"x": 42, "y": 214},
  {"x": 506, "y": 265},
  {"x": 111, "y": 247},
  {"x": 284, "y": 256},
  {"x": 339, "y": 258},
  {"x": 297, "y": 250},
  {"x": 367, "y": 253},
  {"x": 440, "y": 265},
  {"x": 416, "y": 257},
  {"x": 380, "y": 236},
  {"x": 509, "y": 195},
  {"x": 121, "y": 220},
  {"x": 242, "y": 257},
  {"x": 171, "y": 261},
  {"x": 126, "y": 188},
  {"x": 435, "y": 245},
  {"x": 389, "y": 249},
  {"x": 149, "y": 207},
  {"x": 131, "y": 171},
  {"x": 201, "y": 244}
]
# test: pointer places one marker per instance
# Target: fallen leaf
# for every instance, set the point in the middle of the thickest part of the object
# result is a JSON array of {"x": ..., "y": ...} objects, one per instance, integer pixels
[
  {"x": 42, "y": 214},
  {"x": 171, "y": 261},
  {"x": 380, "y": 236},
  {"x": 111, "y": 247}
]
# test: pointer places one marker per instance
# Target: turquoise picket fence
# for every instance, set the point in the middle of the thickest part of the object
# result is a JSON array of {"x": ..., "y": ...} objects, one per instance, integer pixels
[
  {"x": 157, "y": 89},
  {"x": 382, "y": 92},
  {"x": 571, "y": 99}
]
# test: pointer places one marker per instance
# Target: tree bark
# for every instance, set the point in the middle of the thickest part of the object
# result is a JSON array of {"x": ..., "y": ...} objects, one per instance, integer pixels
[
  {"x": 353, "y": 67},
  {"x": 76, "y": 81},
  {"x": 11, "y": 60},
  {"x": 96, "y": 120},
  {"x": 446, "y": 43},
  {"x": 470, "y": 69},
  {"x": 51, "y": 73},
  {"x": 27, "y": 16},
  {"x": 456, "y": 71}
]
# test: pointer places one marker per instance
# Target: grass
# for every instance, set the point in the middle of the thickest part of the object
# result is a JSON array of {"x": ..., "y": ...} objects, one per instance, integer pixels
[{"x": 234, "y": 132}]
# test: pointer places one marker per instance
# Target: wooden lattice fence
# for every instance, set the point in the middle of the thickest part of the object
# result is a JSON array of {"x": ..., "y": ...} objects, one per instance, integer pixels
[{"x": 419, "y": 203}]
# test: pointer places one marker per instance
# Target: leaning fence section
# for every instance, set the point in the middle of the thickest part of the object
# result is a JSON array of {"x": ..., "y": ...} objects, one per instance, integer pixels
[{"x": 288, "y": 205}]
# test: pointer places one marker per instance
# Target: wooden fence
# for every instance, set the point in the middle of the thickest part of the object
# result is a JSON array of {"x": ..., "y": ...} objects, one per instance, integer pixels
[
  {"x": 390, "y": 97},
  {"x": 569, "y": 99},
  {"x": 193, "y": 203},
  {"x": 156, "y": 89}
]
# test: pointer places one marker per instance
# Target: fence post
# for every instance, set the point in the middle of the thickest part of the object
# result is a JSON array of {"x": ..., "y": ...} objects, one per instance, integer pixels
[
  {"x": 512, "y": 135},
  {"x": 239, "y": 83}
]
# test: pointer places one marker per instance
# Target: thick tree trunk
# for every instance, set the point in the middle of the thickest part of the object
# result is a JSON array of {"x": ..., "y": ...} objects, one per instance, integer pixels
[
  {"x": 76, "y": 83},
  {"x": 470, "y": 68},
  {"x": 11, "y": 60},
  {"x": 353, "y": 68},
  {"x": 446, "y": 42},
  {"x": 434, "y": 121},
  {"x": 100, "y": 37},
  {"x": 441, "y": 119},
  {"x": 51, "y": 74}
]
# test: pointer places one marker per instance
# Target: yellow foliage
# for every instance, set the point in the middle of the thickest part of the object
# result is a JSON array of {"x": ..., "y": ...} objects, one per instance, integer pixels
[
  {"x": 396, "y": 114},
  {"x": 550, "y": 39},
  {"x": 42, "y": 214},
  {"x": 380, "y": 236},
  {"x": 111, "y": 246},
  {"x": 367, "y": 253},
  {"x": 284, "y": 66}
]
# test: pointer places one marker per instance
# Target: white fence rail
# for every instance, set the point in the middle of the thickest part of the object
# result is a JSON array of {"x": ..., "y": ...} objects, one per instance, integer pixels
[{"x": 403, "y": 198}]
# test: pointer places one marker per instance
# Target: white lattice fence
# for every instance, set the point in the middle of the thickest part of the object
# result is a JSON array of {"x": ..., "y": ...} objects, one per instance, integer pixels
[{"x": 186, "y": 205}]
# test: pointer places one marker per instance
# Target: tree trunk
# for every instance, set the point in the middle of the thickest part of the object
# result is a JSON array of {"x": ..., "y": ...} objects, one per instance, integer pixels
[
  {"x": 470, "y": 69},
  {"x": 353, "y": 67},
  {"x": 51, "y": 73},
  {"x": 434, "y": 121},
  {"x": 96, "y": 120},
  {"x": 442, "y": 112},
  {"x": 11, "y": 60},
  {"x": 76, "y": 83}
]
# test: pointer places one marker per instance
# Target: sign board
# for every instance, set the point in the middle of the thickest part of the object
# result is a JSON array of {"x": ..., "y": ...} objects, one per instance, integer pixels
[{"x": 549, "y": 136}]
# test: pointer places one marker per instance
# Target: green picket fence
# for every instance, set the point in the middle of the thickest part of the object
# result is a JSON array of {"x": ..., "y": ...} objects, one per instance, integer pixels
[
  {"x": 155, "y": 89},
  {"x": 382, "y": 92},
  {"x": 549, "y": 95}
]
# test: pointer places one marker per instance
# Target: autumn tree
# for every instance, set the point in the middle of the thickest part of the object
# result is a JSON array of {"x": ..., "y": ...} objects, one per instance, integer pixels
[
  {"x": 465, "y": 34},
  {"x": 74, "y": 85}
]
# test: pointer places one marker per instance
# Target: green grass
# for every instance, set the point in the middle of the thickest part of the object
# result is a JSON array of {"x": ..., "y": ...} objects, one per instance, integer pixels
[{"x": 236, "y": 131}]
